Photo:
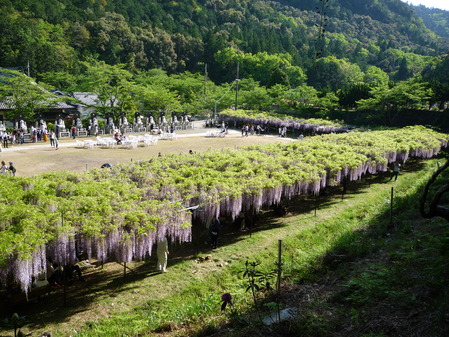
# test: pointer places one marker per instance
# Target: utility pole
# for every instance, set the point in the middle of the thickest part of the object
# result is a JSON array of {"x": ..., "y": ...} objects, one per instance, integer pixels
[
  {"x": 205, "y": 78},
  {"x": 237, "y": 87}
]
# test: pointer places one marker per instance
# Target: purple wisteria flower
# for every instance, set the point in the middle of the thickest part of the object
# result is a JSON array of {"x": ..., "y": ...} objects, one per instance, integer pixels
[{"x": 226, "y": 298}]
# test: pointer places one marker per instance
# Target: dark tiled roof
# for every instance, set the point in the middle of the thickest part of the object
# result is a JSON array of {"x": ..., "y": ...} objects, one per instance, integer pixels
[{"x": 59, "y": 105}]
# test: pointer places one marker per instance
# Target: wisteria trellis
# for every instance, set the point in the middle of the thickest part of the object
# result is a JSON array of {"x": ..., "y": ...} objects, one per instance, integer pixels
[
  {"x": 277, "y": 120},
  {"x": 118, "y": 214}
]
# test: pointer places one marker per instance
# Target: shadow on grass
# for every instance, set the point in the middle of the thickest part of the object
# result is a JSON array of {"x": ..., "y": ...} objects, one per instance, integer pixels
[
  {"x": 365, "y": 281},
  {"x": 57, "y": 306}
]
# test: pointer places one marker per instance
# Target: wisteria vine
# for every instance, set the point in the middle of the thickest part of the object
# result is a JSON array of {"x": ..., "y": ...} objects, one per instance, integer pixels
[
  {"x": 120, "y": 213},
  {"x": 276, "y": 120}
]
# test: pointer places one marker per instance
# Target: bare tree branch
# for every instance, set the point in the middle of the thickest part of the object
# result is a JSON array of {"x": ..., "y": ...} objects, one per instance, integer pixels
[{"x": 434, "y": 208}]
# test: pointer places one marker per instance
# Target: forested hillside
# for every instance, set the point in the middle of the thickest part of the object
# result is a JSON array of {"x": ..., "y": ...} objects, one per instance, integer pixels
[
  {"x": 365, "y": 62},
  {"x": 54, "y": 35},
  {"x": 435, "y": 19}
]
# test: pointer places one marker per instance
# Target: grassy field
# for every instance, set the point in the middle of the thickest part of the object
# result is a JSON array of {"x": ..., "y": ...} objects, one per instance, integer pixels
[{"x": 321, "y": 251}]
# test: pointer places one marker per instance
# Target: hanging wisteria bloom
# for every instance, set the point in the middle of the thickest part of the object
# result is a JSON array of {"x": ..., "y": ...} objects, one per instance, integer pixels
[{"x": 63, "y": 214}]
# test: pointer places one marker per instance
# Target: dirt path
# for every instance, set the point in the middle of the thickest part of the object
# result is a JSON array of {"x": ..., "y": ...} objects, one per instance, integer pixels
[{"x": 33, "y": 159}]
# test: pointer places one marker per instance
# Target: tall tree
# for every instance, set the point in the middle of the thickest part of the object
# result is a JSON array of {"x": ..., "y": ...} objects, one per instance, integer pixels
[
  {"x": 114, "y": 86},
  {"x": 436, "y": 75},
  {"x": 410, "y": 94},
  {"x": 23, "y": 95},
  {"x": 331, "y": 73}
]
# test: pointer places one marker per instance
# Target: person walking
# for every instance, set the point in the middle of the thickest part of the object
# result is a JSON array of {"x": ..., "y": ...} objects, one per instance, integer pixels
[
  {"x": 162, "y": 255},
  {"x": 3, "y": 168},
  {"x": 214, "y": 230},
  {"x": 52, "y": 138},
  {"x": 396, "y": 170},
  {"x": 12, "y": 169},
  {"x": 5, "y": 140}
]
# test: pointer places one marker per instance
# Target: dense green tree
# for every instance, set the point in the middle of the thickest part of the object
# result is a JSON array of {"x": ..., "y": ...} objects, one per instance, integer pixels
[
  {"x": 402, "y": 65},
  {"x": 375, "y": 76},
  {"x": 252, "y": 96},
  {"x": 434, "y": 18},
  {"x": 114, "y": 86},
  {"x": 436, "y": 76},
  {"x": 192, "y": 90},
  {"x": 157, "y": 99},
  {"x": 348, "y": 96},
  {"x": 23, "y": 95},
  {"x": 267, "y": 69},
  {"x": 278, "y": 96},
  {"x": 172, "y": 35},
  {"x": 35, "y": 42},
  {"x": 301, "y": 98},
  {"x": 390, "y": 100},
  {"x": 326, "y": 103},
  {"x": 61, "y": 80},
  {"x": 331, "y": 73},
  {"x": 113, "y": 37}
]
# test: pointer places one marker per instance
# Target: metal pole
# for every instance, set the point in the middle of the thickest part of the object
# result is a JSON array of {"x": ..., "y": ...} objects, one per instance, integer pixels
[
  {"x": 237, "y": 87},
  {"x": 205, "y": 78}
]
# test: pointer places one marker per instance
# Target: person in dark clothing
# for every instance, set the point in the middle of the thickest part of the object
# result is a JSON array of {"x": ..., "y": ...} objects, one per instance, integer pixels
[
  {"x": 396, "y": 170},
  {"x": 214, "y": 230},
  {"x": 12, "y": 169}
]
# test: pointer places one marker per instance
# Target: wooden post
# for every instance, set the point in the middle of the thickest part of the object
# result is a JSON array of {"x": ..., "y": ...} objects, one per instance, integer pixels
[
  {"x": 64, "y": 279},
  {"x": 279, "y": 265},
  {"x": 250, "y": 229},
  {"x": 345, "y": 186},
  {"x": 391, "y": 205},
  {"x": 64, "y": 276}
]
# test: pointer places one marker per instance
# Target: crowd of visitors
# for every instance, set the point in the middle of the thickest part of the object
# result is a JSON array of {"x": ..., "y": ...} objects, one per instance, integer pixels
[
  {"x": 249, "y": 129},
  {"x": 17, "y": 136}
]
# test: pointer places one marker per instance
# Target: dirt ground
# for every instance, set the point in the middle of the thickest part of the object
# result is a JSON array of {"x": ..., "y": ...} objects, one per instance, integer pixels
[{"x": 36, "y": 158}]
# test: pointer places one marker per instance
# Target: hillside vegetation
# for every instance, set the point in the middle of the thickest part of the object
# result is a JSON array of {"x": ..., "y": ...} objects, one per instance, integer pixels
[
  {"x": 364, "y": 62},
  {"x": 437, "y": 20},
  {"x": 54, "y": 35}
]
